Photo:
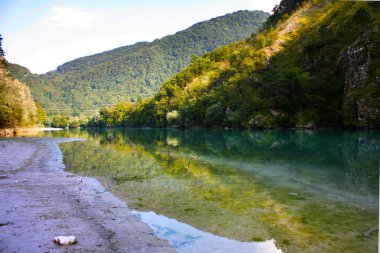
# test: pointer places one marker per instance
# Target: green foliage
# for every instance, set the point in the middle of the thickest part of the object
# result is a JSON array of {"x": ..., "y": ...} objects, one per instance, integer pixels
[
  {"x": 214, "y": 115},
  {"x": 314, "y": 65},
  {"x": 61, "y": 121},
  {"x": 172, "y": 118},
  {"x": 232, "y": 119},
  {"x": 17, "y": 108},
  {"x": 82, "y": 86},
  {"x": 64, "y": 121},
  {"x": 199, "y": 65},
  {"x": 40, "y": 115}
]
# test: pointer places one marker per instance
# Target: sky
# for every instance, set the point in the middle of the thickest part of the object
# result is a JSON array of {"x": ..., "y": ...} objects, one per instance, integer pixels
[{"x": 43, "y": 34}]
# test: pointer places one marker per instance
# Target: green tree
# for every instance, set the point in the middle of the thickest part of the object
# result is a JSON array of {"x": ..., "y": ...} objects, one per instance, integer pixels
[
  {"x": 17, "y": 108},
  {"x": 214, "y": 115},
  {"x": 41, "y": 115}
]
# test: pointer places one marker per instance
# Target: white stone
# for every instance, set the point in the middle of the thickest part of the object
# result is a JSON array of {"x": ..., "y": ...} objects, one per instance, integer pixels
[{"x": 64, "y": 240}]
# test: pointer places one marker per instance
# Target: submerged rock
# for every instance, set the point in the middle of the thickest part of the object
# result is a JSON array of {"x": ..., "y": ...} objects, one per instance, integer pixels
[{"x": 370, "y": 231}]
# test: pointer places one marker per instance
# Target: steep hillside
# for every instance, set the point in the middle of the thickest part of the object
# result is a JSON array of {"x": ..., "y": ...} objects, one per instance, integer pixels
[
  {"x": 84, "y": 85},
  {"x": 17, "y": 108},
  {"x": 315, "y": 64}
]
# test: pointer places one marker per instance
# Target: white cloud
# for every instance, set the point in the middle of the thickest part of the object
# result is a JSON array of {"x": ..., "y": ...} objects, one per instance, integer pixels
[{"x": 66, "y": 17}]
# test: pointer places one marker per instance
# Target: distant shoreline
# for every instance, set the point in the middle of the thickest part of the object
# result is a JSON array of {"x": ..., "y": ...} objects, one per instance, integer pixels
[{"x": 10, "y": 132}]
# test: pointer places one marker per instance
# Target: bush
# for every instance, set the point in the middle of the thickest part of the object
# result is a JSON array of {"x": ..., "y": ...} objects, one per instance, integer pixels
[
  {"x": 214, "y": 115},
  {"x": 232, "y": 119}
]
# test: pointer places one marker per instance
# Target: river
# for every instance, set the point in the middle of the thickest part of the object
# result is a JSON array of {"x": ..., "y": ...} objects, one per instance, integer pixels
[{"x": 240, "y": 191}]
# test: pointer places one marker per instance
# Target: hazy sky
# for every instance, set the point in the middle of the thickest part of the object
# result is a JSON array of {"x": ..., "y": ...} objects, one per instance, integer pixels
[{"x": 42, "y": 34}]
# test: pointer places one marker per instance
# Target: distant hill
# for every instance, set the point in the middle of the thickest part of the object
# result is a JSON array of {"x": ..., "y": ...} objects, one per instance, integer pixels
[
  {"x": 85, "y": 84},
  {"x": 316, "y": 63}
]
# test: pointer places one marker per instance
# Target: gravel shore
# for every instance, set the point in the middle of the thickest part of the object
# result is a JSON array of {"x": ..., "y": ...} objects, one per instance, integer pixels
[{"x": 40, "y": 201}]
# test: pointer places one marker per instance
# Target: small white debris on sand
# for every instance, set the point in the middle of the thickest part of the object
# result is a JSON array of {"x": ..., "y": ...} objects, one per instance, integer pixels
[{"x": 65, "y": 240}]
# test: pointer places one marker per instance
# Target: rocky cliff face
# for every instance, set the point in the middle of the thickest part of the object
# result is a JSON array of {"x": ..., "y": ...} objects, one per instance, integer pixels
[{"x": 355, "y": 64}]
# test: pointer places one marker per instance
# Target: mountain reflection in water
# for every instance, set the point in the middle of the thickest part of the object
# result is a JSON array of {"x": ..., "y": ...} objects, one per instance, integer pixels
[{"x": 310, "y": 191}]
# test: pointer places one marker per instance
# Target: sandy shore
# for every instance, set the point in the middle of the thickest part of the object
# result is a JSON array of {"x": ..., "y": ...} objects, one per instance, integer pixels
[
  {"x": 40, "y": 201},
  {"x": 31, "y": 131}
]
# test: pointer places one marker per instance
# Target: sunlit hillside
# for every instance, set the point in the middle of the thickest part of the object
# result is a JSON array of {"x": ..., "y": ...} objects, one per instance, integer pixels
[{"x": 315, "y": 64}]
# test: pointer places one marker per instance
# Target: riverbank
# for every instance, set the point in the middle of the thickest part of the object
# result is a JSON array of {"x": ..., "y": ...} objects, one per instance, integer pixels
[
  {"x": 41, "y": 201},
  {"x": 11, "y": 132}
]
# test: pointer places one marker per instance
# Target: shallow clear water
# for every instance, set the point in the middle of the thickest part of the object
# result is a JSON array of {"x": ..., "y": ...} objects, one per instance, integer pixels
[
  {"x": 258, "y": 191},
  {"x": 186, "y": 238}
]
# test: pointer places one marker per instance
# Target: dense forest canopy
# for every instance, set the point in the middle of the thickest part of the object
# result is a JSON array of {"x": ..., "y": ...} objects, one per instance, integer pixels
[
  {"x": 82, "y": 86},
  {"x": 315, "y": 63}
]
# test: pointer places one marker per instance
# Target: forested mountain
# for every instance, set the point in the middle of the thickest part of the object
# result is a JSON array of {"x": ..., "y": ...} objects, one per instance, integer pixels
[
  {"x": 84, "y": 85},
  {"x": 17, "y": 108},
  {"x": 316, "y": 63}
]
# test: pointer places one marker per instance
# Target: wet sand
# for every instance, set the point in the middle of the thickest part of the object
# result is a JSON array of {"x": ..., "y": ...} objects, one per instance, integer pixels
[{"x": 40, "y": 201}]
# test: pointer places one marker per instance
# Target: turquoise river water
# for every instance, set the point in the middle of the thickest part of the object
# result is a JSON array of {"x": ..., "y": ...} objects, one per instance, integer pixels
[{"x": 241, "y": 191}]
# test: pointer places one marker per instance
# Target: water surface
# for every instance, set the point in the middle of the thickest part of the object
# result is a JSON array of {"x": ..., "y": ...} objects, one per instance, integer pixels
[{"x": 259, "y": 191}]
